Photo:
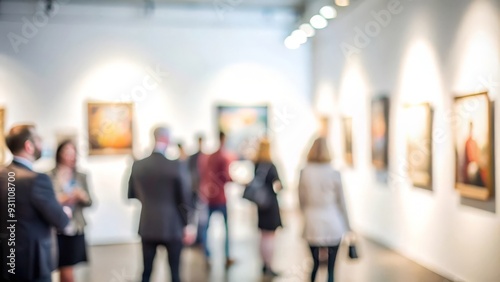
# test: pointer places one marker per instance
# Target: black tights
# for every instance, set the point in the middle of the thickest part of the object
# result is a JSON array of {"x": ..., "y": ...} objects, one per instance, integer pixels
[{"x": 332, "y": 254}]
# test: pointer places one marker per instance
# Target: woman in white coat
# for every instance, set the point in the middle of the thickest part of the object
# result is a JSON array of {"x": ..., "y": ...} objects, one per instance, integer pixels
[{"x": 323, "y": 205}]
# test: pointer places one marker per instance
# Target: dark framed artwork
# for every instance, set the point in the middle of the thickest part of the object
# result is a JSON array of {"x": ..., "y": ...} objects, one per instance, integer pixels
[
  {"x": 243, "y": 126},
  {"x": 419, "y": 144},
  {"x": 380, "y": 132},
  {"x": 348, "y": 147},
  {"x": 110, "y": 128},
  {"x": 473, "y": 134}
]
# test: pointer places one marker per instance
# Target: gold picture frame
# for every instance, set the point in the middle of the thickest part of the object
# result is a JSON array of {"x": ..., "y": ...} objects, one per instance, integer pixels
[
  {"x": 348, "y": 141},
  {"x": 419, "y": 144},
  {"x": 110, "y": 130},
  {"x": 473, "y": 138}
]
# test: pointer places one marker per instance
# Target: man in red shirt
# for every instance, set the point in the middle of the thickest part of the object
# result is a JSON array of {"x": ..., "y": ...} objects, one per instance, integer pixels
[{"x": 214, "y": 173}]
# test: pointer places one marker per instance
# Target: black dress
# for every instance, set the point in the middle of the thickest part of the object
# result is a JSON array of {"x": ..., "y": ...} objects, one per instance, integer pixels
[{"x": 270, "y": 219}]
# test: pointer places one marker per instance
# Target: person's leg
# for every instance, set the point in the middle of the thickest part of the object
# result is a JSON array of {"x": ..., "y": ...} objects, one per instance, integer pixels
[
  {"x": 315, "y": 256},
  {"x": 332, "y": 256},
  {"x": 174, "y": 250},
  {"x": 267, "y": 247},
  {"x": 41, "y": 279},
  {"x": 148, "y": 256},
  {"x": 66, "y": 274},
  {"x": 210, "y": 210},
  {"x": 223, "y": 210},
  {"x": 201, "y": 216}
]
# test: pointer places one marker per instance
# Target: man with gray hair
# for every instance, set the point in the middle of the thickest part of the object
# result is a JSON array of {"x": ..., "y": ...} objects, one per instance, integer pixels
[{"x": 160, "y": 185}]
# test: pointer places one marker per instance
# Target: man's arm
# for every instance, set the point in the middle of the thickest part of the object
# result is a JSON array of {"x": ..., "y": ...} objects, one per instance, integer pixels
[
  {"x": 45, "y": 202},
  {"x": 182, "y": 194},
  {"x": 131, "y": 184}
]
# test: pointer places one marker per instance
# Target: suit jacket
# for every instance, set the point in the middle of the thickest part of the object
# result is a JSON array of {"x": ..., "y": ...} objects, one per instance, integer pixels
[
  {"x": 194, "y": 171},
  {"x": 161, "y": 187},
  {"x": 81, "y": 180},
  {"x": 36, "y": 212}
]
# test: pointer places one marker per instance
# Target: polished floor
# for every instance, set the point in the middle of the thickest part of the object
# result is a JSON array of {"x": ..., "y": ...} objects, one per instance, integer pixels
[{"x": 121, "y": 263}]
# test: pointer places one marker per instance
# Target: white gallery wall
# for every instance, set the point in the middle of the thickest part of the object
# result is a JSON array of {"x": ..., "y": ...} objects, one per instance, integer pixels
[
  {"x": 413, "y": 52},
  {"x": 175, "y": 65}
]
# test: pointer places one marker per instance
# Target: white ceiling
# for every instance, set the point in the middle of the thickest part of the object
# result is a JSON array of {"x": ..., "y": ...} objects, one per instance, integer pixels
[
  {"x": 297, "y": 4},
  {"x": 261, "y": 3}
]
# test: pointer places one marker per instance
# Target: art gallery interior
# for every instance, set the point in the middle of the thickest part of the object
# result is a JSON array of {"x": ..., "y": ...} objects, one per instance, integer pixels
[{"x": 176, "y": 61}]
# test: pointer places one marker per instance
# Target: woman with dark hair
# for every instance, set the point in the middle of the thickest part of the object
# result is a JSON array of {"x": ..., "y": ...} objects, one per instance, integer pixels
[{"x": 71, "y": 189}]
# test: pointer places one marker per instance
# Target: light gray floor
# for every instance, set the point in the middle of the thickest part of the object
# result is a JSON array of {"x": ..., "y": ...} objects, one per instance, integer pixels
[{"x": 119, "y": 263}]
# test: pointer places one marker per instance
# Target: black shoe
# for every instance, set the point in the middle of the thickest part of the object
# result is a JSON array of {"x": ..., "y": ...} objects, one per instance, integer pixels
[{"x": 267, "y": 271}]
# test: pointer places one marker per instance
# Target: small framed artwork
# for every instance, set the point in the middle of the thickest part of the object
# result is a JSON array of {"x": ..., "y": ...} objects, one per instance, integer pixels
[
  {"x": 419, "y": 144},
  {"x": 380, "y": 132},
  {"x": 243, "y": 126},
  {"x": 110, "y": 128},
  {"x": 473, "y": 134},
  {"x": 348, "y": 147}
]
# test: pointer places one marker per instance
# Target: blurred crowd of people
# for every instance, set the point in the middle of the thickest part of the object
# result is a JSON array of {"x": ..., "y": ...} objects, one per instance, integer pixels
[{"x": 178, "y": 198}]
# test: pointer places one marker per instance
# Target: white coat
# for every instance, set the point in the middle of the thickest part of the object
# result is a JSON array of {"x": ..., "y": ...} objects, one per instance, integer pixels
[{"x": 323, "y": 205}]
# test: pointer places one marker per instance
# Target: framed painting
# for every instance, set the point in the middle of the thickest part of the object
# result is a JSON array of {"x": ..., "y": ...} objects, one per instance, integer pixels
[
  {"x": 348, "y": 147},
  {"x": 110, "y": 128},
  {"x": 419, "y": 144},
  {"x": 243, "y": 126},
  {"x": 380, "y": 132},
  {"x": 473, "y": 134}
]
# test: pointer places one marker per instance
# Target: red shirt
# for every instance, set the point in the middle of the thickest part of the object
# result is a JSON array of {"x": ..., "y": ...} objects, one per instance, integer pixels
[{"x": 214, "y": 174}]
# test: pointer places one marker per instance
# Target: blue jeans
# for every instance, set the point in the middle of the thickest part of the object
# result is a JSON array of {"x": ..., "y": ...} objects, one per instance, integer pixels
[{"x": 211, "y": 209}]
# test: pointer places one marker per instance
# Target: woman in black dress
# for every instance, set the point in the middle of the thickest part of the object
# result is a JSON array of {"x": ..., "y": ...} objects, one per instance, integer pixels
[
  {"x": 269, "y": 219},
  {"x": 71, "y": 189}
]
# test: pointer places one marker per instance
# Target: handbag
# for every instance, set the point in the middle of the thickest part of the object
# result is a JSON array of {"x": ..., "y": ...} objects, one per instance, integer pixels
[
  {"x": 353, "y": 252},
  {"x": 256, "y": 191}
]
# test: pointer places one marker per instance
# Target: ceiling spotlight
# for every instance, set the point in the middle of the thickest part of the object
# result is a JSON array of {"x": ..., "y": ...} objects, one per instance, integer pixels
[
  {"x": 307, "y": 29},
  {"x": 318, "y": 22},
  {"x": 291, "y": 43},
  {"x": 299, "y": 36},
  {"x": 342, "y": 3},
  {"x": 328, "y": 12}
]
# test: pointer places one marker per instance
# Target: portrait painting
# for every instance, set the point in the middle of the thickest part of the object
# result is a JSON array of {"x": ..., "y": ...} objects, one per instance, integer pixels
[
  {"x": 244, "y": 126},
  {"x": 110, "y": 128},
  {"x": 418, "y": 123},
  {"x": 348, "y": 147},
  {"x": 380, "y": 132},
  {"x": 473, "y": 134}
]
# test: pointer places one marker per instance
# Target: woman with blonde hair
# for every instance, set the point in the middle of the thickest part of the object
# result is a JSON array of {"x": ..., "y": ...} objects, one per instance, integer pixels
[
  {"x": 269, "y": 218},
  {"x": 322, "y": 202}
]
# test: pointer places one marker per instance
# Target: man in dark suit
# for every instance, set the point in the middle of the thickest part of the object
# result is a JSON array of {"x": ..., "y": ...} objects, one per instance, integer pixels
[
  {"x": 29, "y": 210},
  {"x": 160, "y": 185}
]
